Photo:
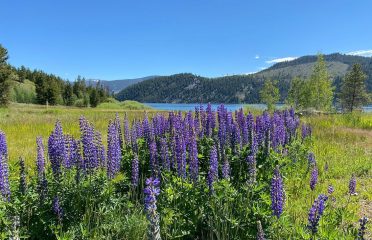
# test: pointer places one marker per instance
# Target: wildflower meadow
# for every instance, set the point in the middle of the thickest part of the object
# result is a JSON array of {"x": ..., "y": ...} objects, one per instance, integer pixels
[{"x": 203, "y": 174}]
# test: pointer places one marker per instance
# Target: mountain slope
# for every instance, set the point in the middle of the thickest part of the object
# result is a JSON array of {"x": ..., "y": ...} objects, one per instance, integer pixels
[
  {"x": 188, "y": 88},
  {"x": 117, "y": 85}
]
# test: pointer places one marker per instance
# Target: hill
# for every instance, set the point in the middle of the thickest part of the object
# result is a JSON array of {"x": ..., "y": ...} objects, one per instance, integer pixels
[
  {"x": 188, "y": 88},
  {"x": 117, "y": 85}
]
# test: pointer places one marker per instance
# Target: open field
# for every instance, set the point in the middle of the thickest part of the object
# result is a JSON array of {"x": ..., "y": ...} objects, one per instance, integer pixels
[{"x": 342, "y": 142}]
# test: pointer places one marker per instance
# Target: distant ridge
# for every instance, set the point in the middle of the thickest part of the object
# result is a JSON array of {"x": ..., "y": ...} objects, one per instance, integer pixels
[
  {"x": 117, "y": 85},
  {"x": 189, "y": 88}
]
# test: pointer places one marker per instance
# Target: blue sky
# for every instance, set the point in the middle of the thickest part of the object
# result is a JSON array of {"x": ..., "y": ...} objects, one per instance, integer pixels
[{"x": 127, "y": 39}]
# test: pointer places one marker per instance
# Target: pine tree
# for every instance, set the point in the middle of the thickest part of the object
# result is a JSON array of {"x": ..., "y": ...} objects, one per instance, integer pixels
[
  {"x": 94, "y": 98},
  {"x": 269, "y": 94},
  {"x": 5, "y": 72},
  {"x": 320, "y": 86},
  {"x": 353, "y": 90},
  {"x": 68, "y": 95}
]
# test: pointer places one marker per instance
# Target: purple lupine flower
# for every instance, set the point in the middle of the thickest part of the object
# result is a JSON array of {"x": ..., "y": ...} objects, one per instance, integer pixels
[
  {"x": 278, "y": 131},
  {"x": 240, "y": 119},
  {"x": 164, "y": 156},
  {"x": 68, "y": 161},
  {"x": 80, "y": 170},
  {"x": 250, "y": 127},
  {"x": 151, "y": 192},
  {"x": 213, "y": 169},
  {"x": 362, "y": 229},
  {"x": 90, "y": 158},
  {"x": 277, "y": 193},
  {"x": 113, "y": 151},
  {"x": 100, "y": 149},
  {"x": 189, "y": 131},
  {"x": 330, "y": 189},
  {"x": 210, "y": 121},
  {"x": 244, "y": 132},
  {"x": 57, "y": 209},
  {"x": 118, "y": 127},
  {"x": 259, "y": 130},
  {"x": 197, "y": 121},
  {"x": 4, "y": 168},
  {"x": 22, "y": 176},
  {"x": 221, "y": 112},
  {"x": 252, "y": 171},
  {"x": 235, "y": 138},
  {"x": 73, "y": 151},
  {"x": 306, "y": 131},
  {"x": 57, "y": 149},
  {"x": 352, "y": 185},
  {"x": 311, "y": 160},
  {"x": 139, "y": 130},
  {"x": 316, "y": 212},
  {"x": 133, "y": 138},
  {"x": 180, "y": 156},
  {"x": 194, "y": 161},
  {"x": 260, "y": 232},
  {"x": 229, "y": 128},
  {"x": 135, "y": 171},
  {"x": 203, "y": 121},
  {"x": 313, "y": 178},
  {"x": 3, "y": 144},
  {"x": 147, "y": 129},
  {"x": 153, "y": 158},
  {"x": 127, "y": 132},
  {"x": 226, "y": 169},
  {"x": 42, "y": 187},
  {"x": 42, "y": 183}
]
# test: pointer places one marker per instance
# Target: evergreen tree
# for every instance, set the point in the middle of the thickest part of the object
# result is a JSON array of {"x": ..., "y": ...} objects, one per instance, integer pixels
[
  {"x": 94, "y": 98},
  {"x": 52, "y": 92},
  {"x": 79, "y": 87},
  {"x": 269, "y": 94},
  {"x": 5, "y": 72},
  {"x": 68, "y": 95},
  {"x": 353, "y": 90},
  {"x": 320, "y": 86}
]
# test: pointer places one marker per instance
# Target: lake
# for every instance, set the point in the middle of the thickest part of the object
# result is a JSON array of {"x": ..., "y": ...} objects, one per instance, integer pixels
[{"x": 230, "y": 107}]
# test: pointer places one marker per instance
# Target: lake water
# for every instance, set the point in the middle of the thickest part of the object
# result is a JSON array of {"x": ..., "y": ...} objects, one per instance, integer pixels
[
  {"x": 191, "y": 106},
  {"x": 230, "y": 107}
]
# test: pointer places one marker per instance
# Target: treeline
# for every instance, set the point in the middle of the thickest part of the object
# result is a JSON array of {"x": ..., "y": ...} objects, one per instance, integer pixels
[
  {"x": 318, "y": 93},
  {"x": 35, "y": 86}
]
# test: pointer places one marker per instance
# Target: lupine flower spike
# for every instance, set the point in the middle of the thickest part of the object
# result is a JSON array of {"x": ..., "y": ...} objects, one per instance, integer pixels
[
  {"x": 57, "y": 209},
  {"x": 277, "y": 193},
  {"x": 151, "y": 191},
  {"x": 22, "y": 176},
  {"x": 4, "y": 169},
  {"x": 352, "y": 185},
  {"x": 362, "y": 229},
  {"x": 313, "y": 178},
  {"x": 316, "y": 212},
  {"x": 260, "y": 232}
]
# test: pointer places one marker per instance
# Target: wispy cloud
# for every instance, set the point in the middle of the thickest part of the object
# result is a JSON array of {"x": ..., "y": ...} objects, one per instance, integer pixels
[
  {"x": 248, "y": 73},
  {"x": 257, "y": 56},
  {"x": 363, "y": 53},
  {"x": 278, "y": 60}
]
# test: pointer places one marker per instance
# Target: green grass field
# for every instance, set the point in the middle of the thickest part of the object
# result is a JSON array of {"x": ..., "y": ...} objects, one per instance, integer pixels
[
  {"x": 22, "y": 123},
  {"x": 343, "y": 142}
]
